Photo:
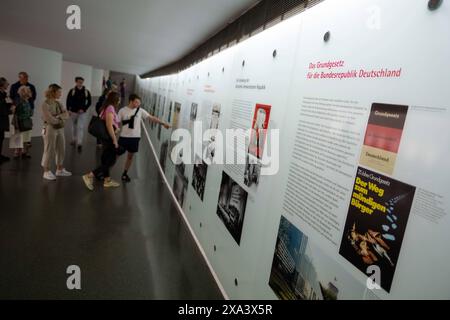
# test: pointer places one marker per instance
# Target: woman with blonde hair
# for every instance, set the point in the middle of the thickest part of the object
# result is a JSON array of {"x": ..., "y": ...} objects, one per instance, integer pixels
[
  {"x": 22, "y": 123},
  {"x": 54, "y": 116}
]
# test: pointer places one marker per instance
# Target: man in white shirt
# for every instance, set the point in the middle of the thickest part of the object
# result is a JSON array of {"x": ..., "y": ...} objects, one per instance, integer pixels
[{"x": 130, "y": 135}]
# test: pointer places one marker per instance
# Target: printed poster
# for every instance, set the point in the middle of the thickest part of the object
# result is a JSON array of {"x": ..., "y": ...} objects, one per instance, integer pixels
[
  {"x": 260, "y": 126},
  {"x": 383, "y": 137},
  {"x": 376, "y": 223}
]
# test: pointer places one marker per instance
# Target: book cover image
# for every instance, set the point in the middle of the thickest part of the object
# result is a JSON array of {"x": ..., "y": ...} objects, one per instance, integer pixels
[
  {"x": 383, "y": 137},
  {"x": 376, "y": 223},
  {"x": 260, "y": 125}
]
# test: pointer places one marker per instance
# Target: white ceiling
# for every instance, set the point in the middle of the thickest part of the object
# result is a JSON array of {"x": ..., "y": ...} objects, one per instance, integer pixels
[{"x": 131, "y": 36}]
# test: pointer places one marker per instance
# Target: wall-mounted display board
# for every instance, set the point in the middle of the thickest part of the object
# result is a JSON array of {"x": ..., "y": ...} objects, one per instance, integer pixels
[{"x": 359, "y": 207}]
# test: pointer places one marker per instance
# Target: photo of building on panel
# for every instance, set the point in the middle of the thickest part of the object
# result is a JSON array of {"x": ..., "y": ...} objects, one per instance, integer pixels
[
  {"x": 231, "y": 206},
  {"x": 302, "y": 271}
]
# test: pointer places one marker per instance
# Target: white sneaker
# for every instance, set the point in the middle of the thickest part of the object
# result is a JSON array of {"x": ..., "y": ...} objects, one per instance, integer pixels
[
  {"x": 63, "y": 173},
  {"x": 49, "y": 176}
]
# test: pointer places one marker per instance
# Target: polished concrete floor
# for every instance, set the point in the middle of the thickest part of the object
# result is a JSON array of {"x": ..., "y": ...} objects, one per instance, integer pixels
[{"x": 130, "y": 243}]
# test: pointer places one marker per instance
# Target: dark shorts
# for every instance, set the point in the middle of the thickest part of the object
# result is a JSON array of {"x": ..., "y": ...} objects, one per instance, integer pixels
[{"x": 130, "y": 144}]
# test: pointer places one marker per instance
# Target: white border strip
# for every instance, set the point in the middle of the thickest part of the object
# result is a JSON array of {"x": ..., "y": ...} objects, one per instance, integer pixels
[{"x": 186, "y": 221}]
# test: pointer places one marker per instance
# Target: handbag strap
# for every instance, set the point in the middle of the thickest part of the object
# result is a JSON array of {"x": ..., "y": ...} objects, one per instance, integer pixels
[{"x": 58, "y": 108}]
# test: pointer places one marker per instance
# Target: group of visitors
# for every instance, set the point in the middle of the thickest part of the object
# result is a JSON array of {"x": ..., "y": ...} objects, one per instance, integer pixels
[
  {"x": 16, "y": 113},
  {"x": 123, "y": 126}
]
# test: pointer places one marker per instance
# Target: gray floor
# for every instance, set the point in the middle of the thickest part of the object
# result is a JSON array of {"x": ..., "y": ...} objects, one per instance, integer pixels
[{"x": 130, "y": 243}]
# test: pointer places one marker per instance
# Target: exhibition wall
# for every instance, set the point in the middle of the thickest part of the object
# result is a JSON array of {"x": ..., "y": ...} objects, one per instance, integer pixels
[{"x": 359, "y": 92}]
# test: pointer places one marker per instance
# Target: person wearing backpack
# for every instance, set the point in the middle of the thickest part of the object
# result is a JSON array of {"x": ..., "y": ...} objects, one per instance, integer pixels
[
  {"x": 79, "y": 101},
  {"x": 131, "y": 117}
]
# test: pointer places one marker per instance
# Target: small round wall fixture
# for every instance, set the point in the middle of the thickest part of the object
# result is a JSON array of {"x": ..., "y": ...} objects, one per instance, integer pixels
[
  {"x": 434, "y": 4},
  {"x": 274, "y": 54},
  {"x": 326, "y": 36}
]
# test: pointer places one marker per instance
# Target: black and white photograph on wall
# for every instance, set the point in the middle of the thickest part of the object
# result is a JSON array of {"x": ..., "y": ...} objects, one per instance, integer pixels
[
  {"x": 180, "y": 183},
  {"x": 155, "y": 105},
  {"x": 231, "y": 206},
  {"x": 303, "y": 271},
  {"x": 159, "y": 131},
  {"x": 176, "y": 116},
  {"x": 199, "y": 177},
  {"x": 169, "y": 119},
  {"x": 252, "y": 171},
  {"x": 194, "y": 108},
  {"x": 210, "y": 150},
  {"x": 160, "y": 116},
  {"x": 157, "y": 111},
  {"x": 175, "y": 124},
  {"x": 215, "y": 117},
  {"x": 146, "y": 102},
  {"x": 162, "y": 108},
  {"x": 153, "y": 101},
  {"x": 163, "y": 155}
]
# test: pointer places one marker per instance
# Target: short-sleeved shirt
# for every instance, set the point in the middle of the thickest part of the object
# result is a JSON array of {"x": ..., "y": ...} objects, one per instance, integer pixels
[
  {"x": 111, "y": 109},
  {"x": 125, "y": 114}
]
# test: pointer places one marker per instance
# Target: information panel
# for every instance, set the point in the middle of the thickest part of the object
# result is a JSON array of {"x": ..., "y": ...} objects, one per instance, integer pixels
[{"x": 338, "y": 184}]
